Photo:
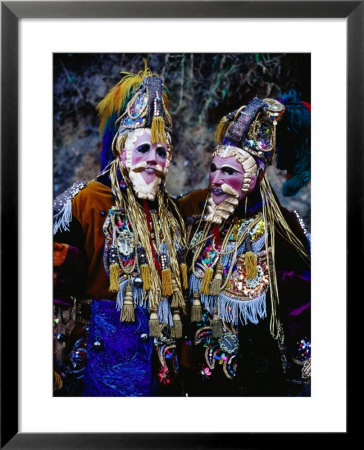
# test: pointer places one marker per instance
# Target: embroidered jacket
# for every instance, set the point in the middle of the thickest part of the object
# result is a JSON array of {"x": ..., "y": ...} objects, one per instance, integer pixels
[
  {"x": 122, "y": 358},
  {"x": 243, "y": 358}
]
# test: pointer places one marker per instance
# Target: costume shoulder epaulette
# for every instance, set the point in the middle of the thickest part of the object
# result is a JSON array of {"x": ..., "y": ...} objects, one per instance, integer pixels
[{"x": 62, "y": 206}]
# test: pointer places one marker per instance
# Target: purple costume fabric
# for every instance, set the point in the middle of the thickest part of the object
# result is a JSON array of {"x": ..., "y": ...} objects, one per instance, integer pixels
[
  {"x": 295, "y": 306},
  {"x": 119, "y": 355}
]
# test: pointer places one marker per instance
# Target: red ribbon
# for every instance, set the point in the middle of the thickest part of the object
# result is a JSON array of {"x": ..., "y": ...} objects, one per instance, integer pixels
[
  {"x": 147, "y": 215},
  {"x": 215, "y": 231},
  {"x": 308, "y": 105}
]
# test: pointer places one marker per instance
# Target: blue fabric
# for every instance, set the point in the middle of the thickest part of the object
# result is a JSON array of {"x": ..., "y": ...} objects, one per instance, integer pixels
[
  {"x": 123, "y": 367},
  {"x": 108, "y": 135}
]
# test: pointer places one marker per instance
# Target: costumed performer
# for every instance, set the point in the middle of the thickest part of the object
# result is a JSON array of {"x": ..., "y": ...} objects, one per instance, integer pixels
[
  {"x": 119, "y": 245},
  {"x": 250, "y": 269}
]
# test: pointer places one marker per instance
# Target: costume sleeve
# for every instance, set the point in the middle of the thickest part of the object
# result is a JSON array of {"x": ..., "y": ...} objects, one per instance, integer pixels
[
  {"x": 192, "y": 203},
  {"x": 69, "y": 261},
  {"x": 69, "y": 271}
]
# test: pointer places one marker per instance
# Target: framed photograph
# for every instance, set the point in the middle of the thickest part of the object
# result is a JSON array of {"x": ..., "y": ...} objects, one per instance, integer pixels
[{"x": 40, "y": 41}]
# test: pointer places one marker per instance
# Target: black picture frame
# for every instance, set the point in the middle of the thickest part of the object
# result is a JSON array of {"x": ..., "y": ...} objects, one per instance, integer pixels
[{"x": 11, "y": 12}]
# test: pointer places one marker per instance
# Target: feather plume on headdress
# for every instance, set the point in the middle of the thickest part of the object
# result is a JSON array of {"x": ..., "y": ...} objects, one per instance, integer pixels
[
  {"x": 252, "y": 129},
  {"x": 114, "y": 105},
  {"x": 119, "y": 95}
]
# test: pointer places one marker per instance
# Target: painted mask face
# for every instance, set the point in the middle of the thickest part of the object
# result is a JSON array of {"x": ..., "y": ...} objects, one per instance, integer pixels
[
  {"x": 146, "y": 163},
  {"x": 225, "y": 173},
  {"x": 148, "y": 159}
]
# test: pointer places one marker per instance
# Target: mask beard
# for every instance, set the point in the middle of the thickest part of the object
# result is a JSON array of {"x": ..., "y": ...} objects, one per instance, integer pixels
[
  {"x": 220, "y": 212},
  {"x": 141, "y": 188}
]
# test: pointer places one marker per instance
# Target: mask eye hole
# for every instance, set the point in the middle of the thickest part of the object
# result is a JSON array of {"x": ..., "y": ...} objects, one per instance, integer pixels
[
  {"x": 144, "y": 148},
  {"x": 228, "y": 171},
  {"x": 161, "y": 152},
  {"x": 213, "y": 168}
]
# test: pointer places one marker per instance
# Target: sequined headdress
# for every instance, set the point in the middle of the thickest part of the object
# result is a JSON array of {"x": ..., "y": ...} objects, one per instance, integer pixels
[
  {"x": 250, "y": 130},
  {"x": 137, "y": 104},
  {"x": 137, "y": 101}
]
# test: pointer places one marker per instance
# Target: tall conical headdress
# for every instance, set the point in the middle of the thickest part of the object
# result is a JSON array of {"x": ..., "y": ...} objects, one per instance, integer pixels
[
  {"x": 137, "y": 101},
  {"x": 249, "y": 134},
  {"x": 252, "y": 128}
]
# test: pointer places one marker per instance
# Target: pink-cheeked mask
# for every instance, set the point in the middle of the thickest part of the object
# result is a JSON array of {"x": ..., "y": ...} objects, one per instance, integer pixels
[
  {"x": 226, "y": 176},
  {"x": 147, "y": 164},
  {"x": 149, "y": 159}
]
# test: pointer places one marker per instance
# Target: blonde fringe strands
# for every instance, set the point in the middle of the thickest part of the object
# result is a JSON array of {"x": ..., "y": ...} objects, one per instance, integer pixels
[
  {"x": 152, "y": 283},
  {"x": 169, "y": 225},
  {"x": 183, "y": 270},
  {"x": 145, "y": 275},
  {"x": 273, "y": 216},
  {"x": 114, "y": 277},
  {"x": 205, "y": 286},
  {"x": 166, "y": 283},
  {"x": 158, "y": 130}
]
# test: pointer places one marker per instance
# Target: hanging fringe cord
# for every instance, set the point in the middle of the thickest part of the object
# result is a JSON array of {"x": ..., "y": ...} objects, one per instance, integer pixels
[
  {"x": 127, "y": 312},
  {"x": 196, "y": 310}
]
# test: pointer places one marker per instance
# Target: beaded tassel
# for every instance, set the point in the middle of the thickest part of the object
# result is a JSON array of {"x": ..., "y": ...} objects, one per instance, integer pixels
[
  {"x": 250, "y": 259},
  {"x": 113, "y": 269},
  {"x": 158, "y": 128},
  {"x": 176, "y": 330},
  {"x": 216, "y": 282},
  {"x": 183, "y": 268},
  {"x": 154, "y": 329},
  {"x": 166, "y": 283},
  {"x": 166, "y": 277},
  {"x": 177, "y": 297},
  {"x": 196, "y": 310},
  {"x": 206, "y": 281},
  {"x": 216, "y": 325},
  {"x": 145, "y": 275},
  {"x": 158, "y": 131},
  {"x": 144, "y": 269},
  {"x": 114, "y": 278},
  {"x": 127, "y": 313}
]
